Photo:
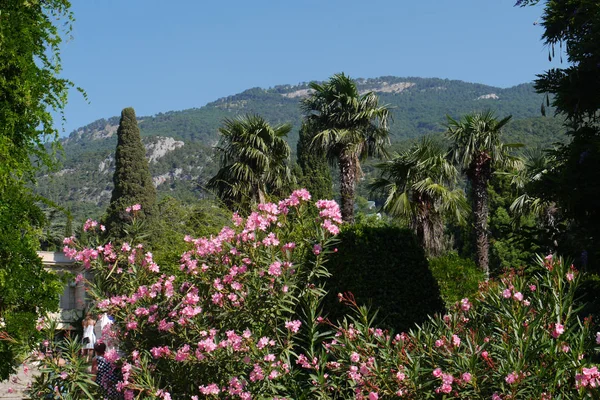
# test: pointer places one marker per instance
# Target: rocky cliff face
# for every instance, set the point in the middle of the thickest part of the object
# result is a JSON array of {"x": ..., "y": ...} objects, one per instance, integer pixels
[{"x": 158, "y": 147}]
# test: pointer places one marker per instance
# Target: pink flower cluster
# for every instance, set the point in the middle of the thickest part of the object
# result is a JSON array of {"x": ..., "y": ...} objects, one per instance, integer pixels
[
  {"x": 331, "y": 215},
  {"x": 293, "y": 326},
  {"x": 447, "y": 381},
  {"x": 134, "y": 208},
  {"x": 91, "y": 225},
  {"x": 589, "y": 377}
]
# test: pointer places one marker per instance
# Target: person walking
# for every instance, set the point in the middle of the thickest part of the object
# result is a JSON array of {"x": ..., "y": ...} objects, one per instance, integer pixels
[
  {"x": 106, "y": 374},
  {"x": 89, "y": 337}
]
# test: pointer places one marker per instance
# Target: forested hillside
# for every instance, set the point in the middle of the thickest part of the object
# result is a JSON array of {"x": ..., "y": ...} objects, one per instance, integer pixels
[{"x": 179, "y": 143}]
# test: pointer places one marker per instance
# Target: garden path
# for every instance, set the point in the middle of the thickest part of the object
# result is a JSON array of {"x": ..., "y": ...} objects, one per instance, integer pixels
[{"x": 13, "y": 389}]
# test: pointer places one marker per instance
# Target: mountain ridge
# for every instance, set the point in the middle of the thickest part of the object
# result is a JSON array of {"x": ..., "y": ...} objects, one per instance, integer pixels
[{"x": 418, "y": 107}]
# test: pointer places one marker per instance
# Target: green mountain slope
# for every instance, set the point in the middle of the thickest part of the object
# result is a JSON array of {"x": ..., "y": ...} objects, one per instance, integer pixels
[{"x": 179, "y": 143}]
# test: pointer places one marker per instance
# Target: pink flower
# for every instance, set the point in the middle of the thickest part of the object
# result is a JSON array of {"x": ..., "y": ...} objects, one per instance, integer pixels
[
  {"x": 271, "y": 240},
  {"x": 236, "y": 219},
  {"x": 557, "y": 330},
  {"x": 437, "y": 372},
  {"x": 511, "y": 378},
  {"x": 570, "y": 276},
  {"x": 466, "y": 377},
  {"x": 532, "y": 288},
  {"x": 40, "y": 324},
  {"x": 213, "y": 388},
  {"x": 439, "y": 343},
  {"x": 373, "y": 396},
  {"x": 302, "y": 194},
  {"x": 455, "y": 340},
  {"x": 597, "y": 337},
  {"x": 518, "y": 296},
  {"x": 329, "y": 210},
  {"x": 465, "y": 305},
  {"x": 275, "y": 269},
  {"x": 331, "y": 227},
  {"x": 355, "y": 357},
  {"x": 317, "y": 249},
  {"x": 506, "y": 293},
  {"x": 89, "y": 224},
  {"x": 111, "y": 355},
  {"x": 136, "y": 207},
  {"x": 257, "y": 374},
  {"x": 289, "y": 246},
  {"x": 262, "y": 342}
]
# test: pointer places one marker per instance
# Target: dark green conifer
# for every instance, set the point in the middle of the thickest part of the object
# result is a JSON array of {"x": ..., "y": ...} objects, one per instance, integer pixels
[
  {"x": 132, "y": 179},
  {"x": 316, "y": 175}
]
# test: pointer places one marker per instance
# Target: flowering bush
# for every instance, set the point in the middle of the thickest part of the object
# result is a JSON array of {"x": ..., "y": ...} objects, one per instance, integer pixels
[
  {"x": 242, "y": 320},
  {"x": 226, "y": 324},
  {"x": 520, "y": 339},
  {"x": 64, "y": 374}
]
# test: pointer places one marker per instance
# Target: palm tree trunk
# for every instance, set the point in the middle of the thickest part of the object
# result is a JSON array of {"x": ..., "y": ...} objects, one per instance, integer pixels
[
  {"x": 429, "y": 228},
  {"x": 347, "y": 180},
  {"x": 479, "y": 181}
]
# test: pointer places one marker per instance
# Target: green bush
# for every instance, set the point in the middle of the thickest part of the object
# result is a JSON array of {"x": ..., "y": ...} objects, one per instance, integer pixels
[
  {"x": 383, "y": 266},
  {"x": 457, "y": 277},
  {"x": 588, "y": 294}
]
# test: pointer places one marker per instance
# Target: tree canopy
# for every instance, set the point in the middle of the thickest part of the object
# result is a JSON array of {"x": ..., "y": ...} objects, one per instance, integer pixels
[
  {"x": 419, "y": 186},
  {"x": 132, "y": 179},
  {"x": 254, "y": 158},
  {"x": 30, "y": 86},
  {"x": 478, "y": 149},
  {"x": 30, "y": 91},
  {"x": 574, "y": 184},
  {"x": 349, "y": 127}
]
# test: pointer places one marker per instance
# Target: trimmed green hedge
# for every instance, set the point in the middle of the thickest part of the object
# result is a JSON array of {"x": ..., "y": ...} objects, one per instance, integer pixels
[
  {"x": 457, "y": 277},
  {"x": 383, "y": 266}
]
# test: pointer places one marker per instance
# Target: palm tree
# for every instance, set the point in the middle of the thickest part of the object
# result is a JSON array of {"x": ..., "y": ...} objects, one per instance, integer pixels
[
  {"x": 348, "y": 128},
  {"x": 254, "y": 160},
  {"x": 418, "y": 184},
  {"x": 533, "y": 179},
  {"x": 478, "y": 150}
]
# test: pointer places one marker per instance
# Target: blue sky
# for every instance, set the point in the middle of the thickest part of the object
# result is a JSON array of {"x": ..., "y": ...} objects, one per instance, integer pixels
[{"x": 158, "y": 56}]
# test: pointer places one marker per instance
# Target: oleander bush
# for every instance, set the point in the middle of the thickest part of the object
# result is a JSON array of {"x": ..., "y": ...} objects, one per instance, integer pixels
[
  {"x": 226, "y": 324},
  {"x": 521, "y": 338}
]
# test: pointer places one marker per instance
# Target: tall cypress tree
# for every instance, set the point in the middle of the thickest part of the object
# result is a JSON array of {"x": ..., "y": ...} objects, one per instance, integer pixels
[
  {"x": 132, "y": 179},
  {"x": 316, "y": 175}
]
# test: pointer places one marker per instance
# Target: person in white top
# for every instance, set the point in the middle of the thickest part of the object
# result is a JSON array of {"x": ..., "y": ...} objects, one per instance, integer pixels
[{"x": 89, "y": 337}]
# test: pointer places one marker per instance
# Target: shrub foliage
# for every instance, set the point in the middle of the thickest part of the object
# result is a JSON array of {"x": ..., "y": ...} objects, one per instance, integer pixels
[{"x": 386, "y": 267}]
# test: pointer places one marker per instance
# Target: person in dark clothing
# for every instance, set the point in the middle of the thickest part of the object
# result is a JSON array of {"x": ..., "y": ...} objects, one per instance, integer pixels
[{"x": 107, "y": 374}]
